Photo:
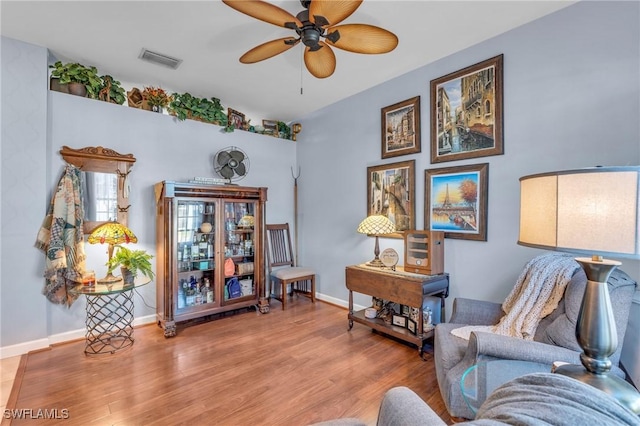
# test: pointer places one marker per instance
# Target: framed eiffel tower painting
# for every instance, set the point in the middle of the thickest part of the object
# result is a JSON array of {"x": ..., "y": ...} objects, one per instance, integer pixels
[{"x": 455, "y": 200}]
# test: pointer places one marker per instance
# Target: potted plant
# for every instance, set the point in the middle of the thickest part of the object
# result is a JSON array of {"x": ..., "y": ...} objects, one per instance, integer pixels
[
  {"x": 284, "y": 130},
  {"x": 81, "y": 80},
  {"x": 185, "y": 106},
  {"x": 111, "y": 90},
  {"x": 131, "y": 262},
  {"x": 156, "y": 98}
]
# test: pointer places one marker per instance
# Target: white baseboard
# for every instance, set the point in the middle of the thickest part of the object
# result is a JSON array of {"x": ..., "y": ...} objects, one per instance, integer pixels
[
  {"x": 34, "y": 345},
  {"x": 338, "y": 302}
]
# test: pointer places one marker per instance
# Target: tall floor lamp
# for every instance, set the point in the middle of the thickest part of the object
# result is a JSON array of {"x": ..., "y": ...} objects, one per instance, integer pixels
[{"x": 595, "y": 212}]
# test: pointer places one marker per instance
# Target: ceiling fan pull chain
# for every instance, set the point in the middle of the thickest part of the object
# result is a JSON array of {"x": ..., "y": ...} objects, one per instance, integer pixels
[{"x": 301, "y": 70}]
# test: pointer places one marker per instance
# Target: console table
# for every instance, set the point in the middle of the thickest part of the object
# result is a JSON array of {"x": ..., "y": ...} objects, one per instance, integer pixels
[
  {"x": 109, "y": 318},
  {"x": 401, "y": 287}
]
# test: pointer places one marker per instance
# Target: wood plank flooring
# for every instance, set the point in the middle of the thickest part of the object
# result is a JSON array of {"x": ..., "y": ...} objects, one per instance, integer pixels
[{"x": 292, "y": 367}]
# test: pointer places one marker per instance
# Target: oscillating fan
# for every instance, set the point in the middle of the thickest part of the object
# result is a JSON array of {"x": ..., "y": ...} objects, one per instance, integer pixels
[{"x": 231, "y": 163}]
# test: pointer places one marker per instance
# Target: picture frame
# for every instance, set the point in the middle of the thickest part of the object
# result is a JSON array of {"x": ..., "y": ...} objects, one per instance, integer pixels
[
  {"x": 235, "y": 118},
  {"x": 270, "y": 127},
  {"x": 412, "y": 326},
  {"x": 400, "y": 128},
  {"x": 399, "y": 321},
  {"x": 391, "y": 193},
  {"x": 456, "y": 200},
  {"x": 466, "y": 112},
  {"x": 405, "y": 310}
]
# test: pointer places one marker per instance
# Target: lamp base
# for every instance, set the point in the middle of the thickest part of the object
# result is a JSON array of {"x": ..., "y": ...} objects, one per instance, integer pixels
[
  {"x": 376, "y": 263},
  {"x": 109, "y": 279},
  {"x": 609, "y": 383}
]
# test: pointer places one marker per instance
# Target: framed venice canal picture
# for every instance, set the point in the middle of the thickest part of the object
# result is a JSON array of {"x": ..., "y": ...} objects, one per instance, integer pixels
[
  {"x": 456, "y": 201},
  {"x": 391, "y": 192},
  {"x": 466, "y": 113}
]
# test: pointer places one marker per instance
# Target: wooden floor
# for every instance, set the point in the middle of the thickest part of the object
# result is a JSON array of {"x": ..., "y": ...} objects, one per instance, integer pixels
[{"x": 292, "y": 367}]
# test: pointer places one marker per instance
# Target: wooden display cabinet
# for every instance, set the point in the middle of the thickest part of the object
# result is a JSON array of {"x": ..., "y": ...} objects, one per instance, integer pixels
[
  {"x": 200, "y": 230},
  {"x": 424, "y": 252}
]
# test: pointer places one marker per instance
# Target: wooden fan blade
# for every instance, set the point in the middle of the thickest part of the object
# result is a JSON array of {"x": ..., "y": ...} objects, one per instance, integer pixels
[
  {"x": 264, "y": 11},
  {"x": 334, "y": 11},
  {"x": 321, "y": 63},
  {"x": 362, "y": 38},
  {"x": 268, "y": 50}
]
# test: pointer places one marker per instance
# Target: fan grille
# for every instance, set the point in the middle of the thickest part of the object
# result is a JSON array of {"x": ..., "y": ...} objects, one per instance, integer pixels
[{"x": 231, "y": 163}]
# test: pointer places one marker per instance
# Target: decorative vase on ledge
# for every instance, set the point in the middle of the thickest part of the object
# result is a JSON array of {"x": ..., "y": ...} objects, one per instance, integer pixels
[
  {"x": 156, "y": 108},
  {"x": 78, "y": 89}
]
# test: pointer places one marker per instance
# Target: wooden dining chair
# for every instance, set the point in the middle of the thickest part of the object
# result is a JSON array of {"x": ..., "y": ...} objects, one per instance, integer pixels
[{"x": 282, "y": 267}]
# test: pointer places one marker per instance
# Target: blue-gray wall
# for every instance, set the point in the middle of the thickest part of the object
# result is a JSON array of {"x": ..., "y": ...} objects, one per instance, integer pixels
[{"x": 571, "y": 100}]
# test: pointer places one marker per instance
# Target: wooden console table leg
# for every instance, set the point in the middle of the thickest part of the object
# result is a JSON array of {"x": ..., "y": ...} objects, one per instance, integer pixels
[{"x": 350, "y": 309}]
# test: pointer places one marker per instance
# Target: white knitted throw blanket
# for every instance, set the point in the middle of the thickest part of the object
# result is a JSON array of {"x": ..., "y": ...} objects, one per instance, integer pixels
[{"x": 537, "y": 292}]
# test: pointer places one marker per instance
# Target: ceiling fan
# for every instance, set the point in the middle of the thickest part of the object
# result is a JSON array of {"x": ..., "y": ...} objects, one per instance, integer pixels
[{"x": 317, "y": 22}]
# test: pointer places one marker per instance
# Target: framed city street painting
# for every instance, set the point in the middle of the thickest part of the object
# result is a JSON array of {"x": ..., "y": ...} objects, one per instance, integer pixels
[
  {"x": 466, "y": 113},
  {"x": 456, "y": 200},
  {"x": 391, "y": 192},
  {"x": 401, "y": 128}
]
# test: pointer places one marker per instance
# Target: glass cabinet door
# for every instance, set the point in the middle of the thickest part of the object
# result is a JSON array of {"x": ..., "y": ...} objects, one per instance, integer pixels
[
  {"x": 239, "y": 243},
  {"x": 195, "y": 254}
]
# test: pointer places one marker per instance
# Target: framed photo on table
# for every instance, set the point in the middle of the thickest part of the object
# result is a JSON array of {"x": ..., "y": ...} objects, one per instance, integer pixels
[
  {"x": 399, "y": 321},
  {"x": 466, "y": 113},
  {"x": 412, "y": 326},
  {"x": 401, "y": 128},
  {"x": 390, "y": 192},
  {"x": 456, "y": 201}
]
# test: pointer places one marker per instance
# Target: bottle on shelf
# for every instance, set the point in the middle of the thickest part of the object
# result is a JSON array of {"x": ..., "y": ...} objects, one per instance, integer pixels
[
  {"x": 186, "y": 254},
  {"x": 195, "y": 251},
  {"x": 190, "y": 298},
  {"x": 202, "y": 246},
  {"x": 182, "y": 298},
  {"x": 208, "y": 291}
]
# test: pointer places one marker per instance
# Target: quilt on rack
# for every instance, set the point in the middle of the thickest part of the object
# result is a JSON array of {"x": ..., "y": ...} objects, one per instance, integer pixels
[{"x": 61, "y": 239}]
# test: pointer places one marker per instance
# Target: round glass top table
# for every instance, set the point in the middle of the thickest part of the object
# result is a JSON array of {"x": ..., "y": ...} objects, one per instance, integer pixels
[
  {"x": 479, "y": 380},
  {"x": 109, "y": 319}
]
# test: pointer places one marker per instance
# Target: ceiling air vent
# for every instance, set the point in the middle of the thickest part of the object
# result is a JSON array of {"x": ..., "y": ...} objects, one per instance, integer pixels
[{"x": 159, "y": 59}]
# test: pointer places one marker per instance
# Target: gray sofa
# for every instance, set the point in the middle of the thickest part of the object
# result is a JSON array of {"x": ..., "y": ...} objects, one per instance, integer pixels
[
  {"x": 554, "y": 339},
  {"x": 534, "y": 399}
]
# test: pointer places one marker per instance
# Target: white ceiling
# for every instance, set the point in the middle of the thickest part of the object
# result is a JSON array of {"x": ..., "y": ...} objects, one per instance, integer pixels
[{"x": 210, "y": 37}]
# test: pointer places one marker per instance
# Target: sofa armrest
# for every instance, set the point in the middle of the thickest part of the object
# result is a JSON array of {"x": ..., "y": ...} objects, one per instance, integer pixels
[
  {"x": 492, "y": 345},
  {"x": 402, "y": 406},
  {"x": 475, "y": 312}
]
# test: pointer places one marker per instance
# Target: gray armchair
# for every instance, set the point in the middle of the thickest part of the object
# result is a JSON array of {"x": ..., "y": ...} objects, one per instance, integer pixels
[{"x": 554, "y": 339}]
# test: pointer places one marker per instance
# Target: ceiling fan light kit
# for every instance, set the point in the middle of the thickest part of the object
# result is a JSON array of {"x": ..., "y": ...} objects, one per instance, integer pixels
[{"x": 317, "y": 22}]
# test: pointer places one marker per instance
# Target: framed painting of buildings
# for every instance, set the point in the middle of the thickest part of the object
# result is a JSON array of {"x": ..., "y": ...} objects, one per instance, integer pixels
[
  {"x": 401, "y": 128},
  {"x": 466, "y": 113},
  {"x": 456, "y": 201},
  {"x": 391, "y": 192}
]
